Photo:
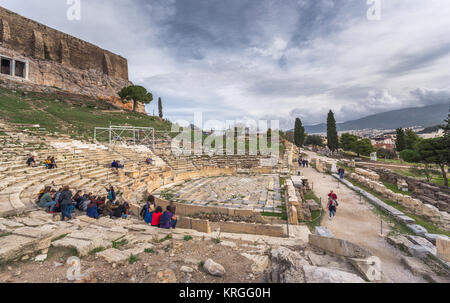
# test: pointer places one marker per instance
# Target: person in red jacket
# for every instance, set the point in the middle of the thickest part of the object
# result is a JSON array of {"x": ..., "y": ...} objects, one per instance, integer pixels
[
  {"x": 332, "y": 195},
  {"x": 332, "y": 204},
  {"x": 157, "y": 216}
]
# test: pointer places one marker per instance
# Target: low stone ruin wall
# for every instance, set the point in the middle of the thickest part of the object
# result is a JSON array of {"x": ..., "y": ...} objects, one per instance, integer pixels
[
  {"x": 428, "y": 193},
  {"x": 232, "y": 227},
  {"x": 413, "y": 205},
  {"x": 339, "y": 247}
]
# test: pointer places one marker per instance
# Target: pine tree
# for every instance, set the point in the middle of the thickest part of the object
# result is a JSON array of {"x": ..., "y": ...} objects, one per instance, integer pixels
[
  {"x": 160, "y": 107},
  {"x": 299, "y": 133},
  {"x": 332, "y": 136}
]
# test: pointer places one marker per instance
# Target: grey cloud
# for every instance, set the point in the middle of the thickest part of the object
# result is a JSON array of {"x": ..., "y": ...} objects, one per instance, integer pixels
[
  {"x": 413, "y": 62},
  {"x": 426, "y": 96}
]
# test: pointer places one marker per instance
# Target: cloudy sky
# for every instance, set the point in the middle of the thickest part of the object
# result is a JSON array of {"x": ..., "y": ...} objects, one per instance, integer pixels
[{"x": 270, "y": 59}]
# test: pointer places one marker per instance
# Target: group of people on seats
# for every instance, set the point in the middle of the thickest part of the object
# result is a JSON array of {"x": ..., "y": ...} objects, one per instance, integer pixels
[
  {"x": 155, "y": 216},
  {"x": 116, "y": 164},
  {"x": 49, "y": 163},
  {"x": 94, "y": 206},
  {"x": 61, "y": 200}
]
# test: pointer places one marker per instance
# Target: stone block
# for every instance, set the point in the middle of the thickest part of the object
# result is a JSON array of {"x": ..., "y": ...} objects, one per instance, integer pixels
[
  {"x": 417, "y": 229},
  {"x": 443, "y": 248},
  {"x": 339, "y": 247},
  {"x": 203, "y": 226},
  {"x": 323, "y": 231}
]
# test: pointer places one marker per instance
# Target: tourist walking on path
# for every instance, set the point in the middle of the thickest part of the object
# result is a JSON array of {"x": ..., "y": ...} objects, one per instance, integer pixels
[
  {"x": 332, "y": 204},
  {"x": 65, "y": 200},
  {"x": 341, "y": 173}
]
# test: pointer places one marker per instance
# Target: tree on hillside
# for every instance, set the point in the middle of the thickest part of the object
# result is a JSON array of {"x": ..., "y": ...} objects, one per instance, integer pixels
[
  {"x": 269, "y": 133},
  {"x": 314, "y": 140},
  {"x": 431, "y": 151},
  {"x": 136, "y": 94},
  {"x": 160, "y": 110},
  {"x": 410, "y": 155},
  {"x": 347, "y": 141},
  {"x": 362, "y": 147},
  {"x": 411, "y": 138},
  {"x": 400, "y": 143},
  {"x": 384, "y": 153},
  {"x": 299, "y": 133},
  {"x": 436, "y": 151},
  {"x": 332, "y": 136}
]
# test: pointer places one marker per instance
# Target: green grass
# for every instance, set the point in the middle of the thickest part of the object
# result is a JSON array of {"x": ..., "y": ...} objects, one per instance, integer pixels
[
  {"x": 433, "y": 229},
  {"x": 168, "y": 237},
  {"x": 167, "y": 195},
  {"x": 96, "y": 250},
  {"x": 133, "y": 259},
  {"x": 394, "y": 188},
  {"x": 70, "y": 114},
  {"x": 5, "y": 234},
  {"x": 60, "y": 237},
  {"x": 316, "y": 215},
  {"x": 217, "y": 240},
  {"x": 117, "y": 244},
  {"x": 436, "y": 176},
  {"x": 188, "y": 238},
  {"x": 271, "y": 214},
  {"x": 149, "y": 250}
]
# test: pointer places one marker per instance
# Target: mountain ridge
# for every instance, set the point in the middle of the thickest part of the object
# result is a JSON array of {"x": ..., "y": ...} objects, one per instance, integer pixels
[{"x": 424, "y": 116}]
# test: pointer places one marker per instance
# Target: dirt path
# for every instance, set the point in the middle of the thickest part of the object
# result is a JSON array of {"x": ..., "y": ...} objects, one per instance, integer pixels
[{"x": 356, "y": 222}]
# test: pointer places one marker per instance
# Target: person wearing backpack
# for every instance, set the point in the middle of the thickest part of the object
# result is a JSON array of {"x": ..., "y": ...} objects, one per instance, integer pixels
[
  {"x": 149, "y": 206},
  {"x": 66, "y": 204},
  {"x": 332, "y": 204},
  {"x": 148, "y": 215}
]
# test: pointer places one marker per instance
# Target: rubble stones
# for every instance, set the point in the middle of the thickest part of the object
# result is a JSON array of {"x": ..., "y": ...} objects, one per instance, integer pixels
[{"x": 214, "y": 268}]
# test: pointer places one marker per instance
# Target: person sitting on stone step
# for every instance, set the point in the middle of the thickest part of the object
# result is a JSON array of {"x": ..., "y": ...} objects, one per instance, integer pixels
[
  {"x": 157, "y": 216},
  {"x": 53, "y": 162},
  {"x": 78, "y": 199},
  {"x": 46, "y": 200},
  {"x": 167, "y": 219},
  {"x": 120, "y": 211},
  {"x": 31, "y": 161},
  {"x": 84, "y": 203},
  {"x": 114, "y": 164},
  {"x": 119, "y": 165},
  {"x": 48, "y": 162},
  {"x": 92, "y": 210}
]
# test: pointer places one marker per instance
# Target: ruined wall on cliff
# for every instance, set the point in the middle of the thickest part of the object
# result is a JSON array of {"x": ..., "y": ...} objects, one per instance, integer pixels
[
  {"x": 57, "y": 60},
  {"x": 34, "y": 40}
]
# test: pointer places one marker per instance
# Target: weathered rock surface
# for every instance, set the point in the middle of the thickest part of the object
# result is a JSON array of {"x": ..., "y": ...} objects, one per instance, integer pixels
[
  {"x": 214, "y": 268},
  {"x": 315, "y": 274}
]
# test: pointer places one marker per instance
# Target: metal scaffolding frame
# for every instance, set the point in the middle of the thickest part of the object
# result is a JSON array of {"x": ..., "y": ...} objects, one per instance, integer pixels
[{"x": 128, "y": 135}]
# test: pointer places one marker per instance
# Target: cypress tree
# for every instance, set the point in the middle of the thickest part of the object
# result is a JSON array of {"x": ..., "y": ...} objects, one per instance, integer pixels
[
  {"x": 332, "y": 136},
  {"x": 400, "y": 142},
  {"x": 160, "y": 107},
  {"x": 299, "y": 133}
]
